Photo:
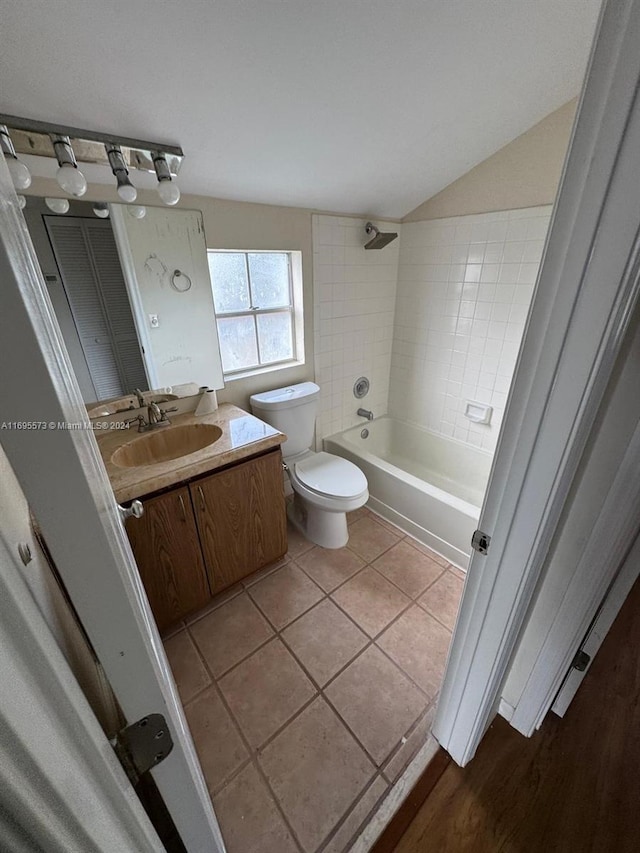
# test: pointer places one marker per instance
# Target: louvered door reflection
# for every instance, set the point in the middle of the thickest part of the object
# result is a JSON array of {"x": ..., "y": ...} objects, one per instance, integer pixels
[{"x": 87, "y": 257}]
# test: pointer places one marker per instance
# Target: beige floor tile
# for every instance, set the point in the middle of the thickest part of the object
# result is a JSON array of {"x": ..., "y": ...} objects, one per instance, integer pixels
[
  {"x": 285, "y": 594},
  {"x": 424, "y": 549},
  {"x": 217, "y": 601},
  {"x": 356, "y": 514},
  {"x": 407, "y": 568},
  {"x": 230, "y": 633},
  {"x": 250, "y": 580},
  {"x": 324, "y": 640},
  {"x": 371, "y": 601},
  {"x": 297, "y": 543},
  {"x": 377, "y": 701},
  {"x": 368, "y": 539},
  {"x": 265, "y": 691},
  {"x": 442, "y": 599},
  {"x": 316, "y": 770},
  {"x": 389, "y": 525},
  {"x": 330, "y": 567},
  {"x": 418, "y": 643},
  {"x": 218, "y": 744},
  {"x": 413, "y": 744},
  {"x": 340, "y": 843},
  {"x": 249, "y": 818},
  {"x": 459, "y": 573},
  {"x": 188, "y": 670}
]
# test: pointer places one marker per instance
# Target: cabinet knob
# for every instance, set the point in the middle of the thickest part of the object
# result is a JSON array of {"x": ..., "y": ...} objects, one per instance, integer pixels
[{"x": 136, "y": 510}]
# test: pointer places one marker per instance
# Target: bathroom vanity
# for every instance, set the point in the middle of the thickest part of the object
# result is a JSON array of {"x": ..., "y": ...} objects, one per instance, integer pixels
[{"x": 211, "y": 516}]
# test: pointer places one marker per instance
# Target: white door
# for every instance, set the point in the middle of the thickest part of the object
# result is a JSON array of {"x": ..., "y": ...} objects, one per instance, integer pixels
[
  {"x": 585, "y": 296},
  {"x": 63, "y": 478},
  {"x": 598, "y": 630}
]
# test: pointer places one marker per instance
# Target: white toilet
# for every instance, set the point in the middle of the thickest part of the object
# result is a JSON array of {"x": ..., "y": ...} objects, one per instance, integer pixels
[{"x": 325, "y": 487}]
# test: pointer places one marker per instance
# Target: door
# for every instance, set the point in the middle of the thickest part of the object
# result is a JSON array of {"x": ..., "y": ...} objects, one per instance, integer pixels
[
  {"x": 598, "y": 630},
  {"x": 167, "y": 550},
  {"x": 87, "y": 257},
  {"x": 241, "y": 518},
  {"x": 62, "y": 476}
]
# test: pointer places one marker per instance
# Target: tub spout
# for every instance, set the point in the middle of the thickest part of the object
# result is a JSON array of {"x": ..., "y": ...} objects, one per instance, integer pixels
[{"x": 365, "y": 413}]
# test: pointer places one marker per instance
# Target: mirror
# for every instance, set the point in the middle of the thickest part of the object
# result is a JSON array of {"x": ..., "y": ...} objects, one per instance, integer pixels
[{"x": 132, "y": 296}]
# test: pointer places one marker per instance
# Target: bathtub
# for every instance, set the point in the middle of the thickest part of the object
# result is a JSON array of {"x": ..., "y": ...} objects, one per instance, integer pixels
[{"x": 429, "y": 485}]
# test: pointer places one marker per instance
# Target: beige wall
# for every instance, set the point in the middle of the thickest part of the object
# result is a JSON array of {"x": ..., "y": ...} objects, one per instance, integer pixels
[
  {"x": 525, "y": 173},
  {"x": 239, "y": 225}
]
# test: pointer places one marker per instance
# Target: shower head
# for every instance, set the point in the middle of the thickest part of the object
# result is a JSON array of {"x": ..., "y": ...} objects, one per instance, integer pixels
[{"x": 380, "y": 239}]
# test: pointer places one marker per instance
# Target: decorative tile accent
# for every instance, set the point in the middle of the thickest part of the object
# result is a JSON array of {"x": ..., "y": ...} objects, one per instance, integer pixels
[
  {"x": 285, "y": 594},
  {"x": 230, "y": 633},
  {"x": 371, "y": 601},
  {"x": 316, "y": 770},
  {"x": 324, "y": 640},
  {"x": 265, "y": 691},
  {"x": 377, "y": 701}
]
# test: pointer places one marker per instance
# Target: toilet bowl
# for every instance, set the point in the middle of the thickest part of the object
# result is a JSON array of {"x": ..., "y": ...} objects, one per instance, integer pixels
[{"x": 325, "y": 487}]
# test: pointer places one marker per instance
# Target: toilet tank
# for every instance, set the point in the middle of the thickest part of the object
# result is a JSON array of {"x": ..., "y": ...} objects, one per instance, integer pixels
[{"x": 292, "y": 410}]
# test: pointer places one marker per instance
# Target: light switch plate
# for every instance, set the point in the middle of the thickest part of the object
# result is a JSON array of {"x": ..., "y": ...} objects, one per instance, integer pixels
[{"x": 154, "y": 322}]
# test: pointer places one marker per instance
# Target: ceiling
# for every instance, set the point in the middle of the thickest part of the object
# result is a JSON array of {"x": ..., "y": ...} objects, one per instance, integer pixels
[{"x": 355, "y": 106}]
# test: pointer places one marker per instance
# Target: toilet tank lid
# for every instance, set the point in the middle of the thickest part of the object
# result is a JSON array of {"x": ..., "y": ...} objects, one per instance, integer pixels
[{"x": 285, "y": 398}]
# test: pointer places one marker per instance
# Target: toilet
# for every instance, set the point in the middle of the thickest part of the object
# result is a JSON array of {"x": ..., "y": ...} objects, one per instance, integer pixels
[{"x": 325, "y": 487}]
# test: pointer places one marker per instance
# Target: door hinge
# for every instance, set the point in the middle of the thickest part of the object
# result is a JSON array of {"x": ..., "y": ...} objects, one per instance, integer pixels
[
  {"x": 142, "y": 745},
  {"x": 480, "y": 542},
  {"x": 581, "y": 661}
]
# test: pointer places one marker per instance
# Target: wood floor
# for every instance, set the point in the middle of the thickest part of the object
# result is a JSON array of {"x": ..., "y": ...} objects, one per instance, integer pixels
[{"x": 574, "y": 787}]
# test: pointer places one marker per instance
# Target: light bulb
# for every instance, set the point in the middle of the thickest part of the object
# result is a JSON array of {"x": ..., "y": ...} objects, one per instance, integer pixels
[
  {"x": 127, "y": 192},
  {"x": 57, "y": 205},
  {"x": 71, "y": 180},
  {"x": 20, "y": 175},
  {"x": 137, "y": 211},
  {"x": 101, "y": 210},
  {"x": 22, "y": 202},
  {"x": 169, "y": 191}
]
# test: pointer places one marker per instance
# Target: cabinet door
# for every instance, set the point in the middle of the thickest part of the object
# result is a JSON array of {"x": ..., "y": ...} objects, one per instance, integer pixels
[
  {"x": 241, "y": 518},
  {"x": 167, "y": 551}
]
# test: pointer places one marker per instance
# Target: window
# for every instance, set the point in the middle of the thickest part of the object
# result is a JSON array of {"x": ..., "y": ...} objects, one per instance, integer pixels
[{"x": 256, "y": 296}]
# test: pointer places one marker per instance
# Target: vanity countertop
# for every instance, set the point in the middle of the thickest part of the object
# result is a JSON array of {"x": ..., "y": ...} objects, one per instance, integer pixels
[{"x": 243, "y": 435}]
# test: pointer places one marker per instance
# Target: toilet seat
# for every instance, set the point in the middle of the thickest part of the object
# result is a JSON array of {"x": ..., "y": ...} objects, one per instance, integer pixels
[{"x": 330, "y": 476}]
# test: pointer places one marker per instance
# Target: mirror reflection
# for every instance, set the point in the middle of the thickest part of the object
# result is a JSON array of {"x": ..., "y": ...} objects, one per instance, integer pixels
[{"x": 132, "y": 295}]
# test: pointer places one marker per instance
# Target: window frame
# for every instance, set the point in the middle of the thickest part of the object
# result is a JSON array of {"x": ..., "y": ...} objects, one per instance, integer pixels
[{"x": 293, "y": 308}]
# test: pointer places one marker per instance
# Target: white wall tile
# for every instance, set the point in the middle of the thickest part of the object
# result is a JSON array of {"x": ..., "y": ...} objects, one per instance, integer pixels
[{"x": 478, "y": 271}]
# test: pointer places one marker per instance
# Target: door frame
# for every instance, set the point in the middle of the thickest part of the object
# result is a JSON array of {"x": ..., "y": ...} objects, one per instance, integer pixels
[
  {"x": 573, "y": 336},
  {"x": 64, "y": 480}
]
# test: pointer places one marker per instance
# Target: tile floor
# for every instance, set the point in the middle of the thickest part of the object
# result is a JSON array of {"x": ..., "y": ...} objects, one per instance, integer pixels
[{"x": 310, "y": 686}]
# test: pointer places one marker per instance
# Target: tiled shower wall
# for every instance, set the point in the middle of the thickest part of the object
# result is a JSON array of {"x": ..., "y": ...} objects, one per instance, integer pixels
[
  {"x": 464, "y": 289},
  {"x": 354, "y": 301}
]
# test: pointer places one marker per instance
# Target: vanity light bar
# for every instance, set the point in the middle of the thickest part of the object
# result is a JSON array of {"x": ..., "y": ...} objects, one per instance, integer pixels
[{"x": 30, "y": 136}]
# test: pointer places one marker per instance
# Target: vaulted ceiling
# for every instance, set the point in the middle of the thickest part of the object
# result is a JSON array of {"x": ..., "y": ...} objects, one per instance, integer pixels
[{"x": 357, "y": 106}]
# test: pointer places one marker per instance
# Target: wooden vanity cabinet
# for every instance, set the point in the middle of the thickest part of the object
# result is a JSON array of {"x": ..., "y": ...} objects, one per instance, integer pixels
[
  {"x": 241, "y": 518},
  {"x": 197, "y": 539},
  {"x": 167, "y": 550}
]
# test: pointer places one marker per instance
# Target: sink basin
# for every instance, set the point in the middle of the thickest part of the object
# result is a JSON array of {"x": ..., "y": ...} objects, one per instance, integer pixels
[{"x": 164, "y": 444}]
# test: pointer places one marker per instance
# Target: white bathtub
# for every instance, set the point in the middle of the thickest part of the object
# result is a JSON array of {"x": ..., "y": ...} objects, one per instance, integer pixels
[{"x": 429, "y": 485}]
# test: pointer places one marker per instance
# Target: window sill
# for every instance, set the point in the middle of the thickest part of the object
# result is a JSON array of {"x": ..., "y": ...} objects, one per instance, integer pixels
[{"x": 258, "y": 371}]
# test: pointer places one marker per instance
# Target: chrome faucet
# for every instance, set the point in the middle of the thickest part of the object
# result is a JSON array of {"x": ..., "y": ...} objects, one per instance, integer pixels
[
  {"x": 365, "y": 413},
  {"x": 140, "y": 397}
]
